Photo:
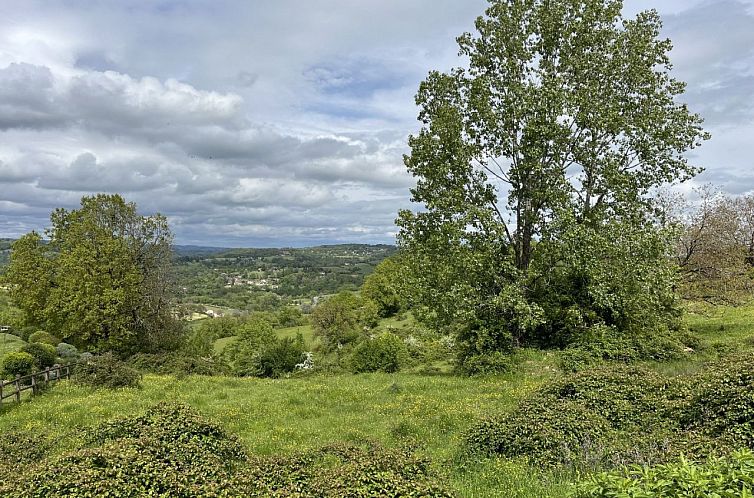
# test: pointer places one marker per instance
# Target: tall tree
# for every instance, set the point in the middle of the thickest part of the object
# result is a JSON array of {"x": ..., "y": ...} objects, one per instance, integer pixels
[
  {"x": 554, "y": 136},
  {"x": 103, "y": 279}
]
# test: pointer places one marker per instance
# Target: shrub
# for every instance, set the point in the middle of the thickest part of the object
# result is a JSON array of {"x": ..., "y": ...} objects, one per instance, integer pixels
[
  {"x": 342, "y": 318},
  {"x": 731, "y": 477},
  {"x": 67, "y": 352},
  {"x": 169, "y": 451},
  {"x": 174, "y": 364},
  {"x": 549, "y": 431},
  {"x": 345, "y": 470},
  {"x": 385, "y": 353},
  {"x": 106, "y": 371},
  {"x": 18, "y": 449},
  {"x": 43, "y": 353},
  {"x": 281, "y": 357},
  {"x": 625, "y": 396},
  {"x": 604, "y": 344},
  {"x": 487, "y": 363},
  {"x": 43, "y": 337},
  {"x": 722, "y": 401},
  {"x": 18, "y": 363},
  {"x": 589, "y": 418}
]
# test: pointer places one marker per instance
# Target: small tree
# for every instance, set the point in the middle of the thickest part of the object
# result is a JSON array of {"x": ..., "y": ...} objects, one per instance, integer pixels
[{"x": 342, "y": 318}]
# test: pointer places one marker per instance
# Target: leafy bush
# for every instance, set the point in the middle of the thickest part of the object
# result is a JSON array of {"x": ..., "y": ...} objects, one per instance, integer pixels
[
  {"x": 625, "y": 396},
  {"x": 107, "y": 371},
  {"x": 604, "y": 344},
  {"x": 18, "y": 363},
  {"x": 169, "y": 451},
  {"x": 174, "y": 363},
  {"x": 17, "y": 449},
  {"x": 173, "y": 451},
  {"x": 549, "y": 431},
  {"x": 722, "y": 403},
  {"x": 43, "y": 353},
  {"x": 43, "y": 337},
  {"x": 342, "y": 319},
  {"x": 487, "y": 363},
  {"x": 731, "y": 477},
  {"x": 67, "y": 352},
  {"x": 343, "y": 470},
  {"x": 386, "y": 353},
  {"x": 589, "y": 418},
  {"x": 281, "y": 357}
]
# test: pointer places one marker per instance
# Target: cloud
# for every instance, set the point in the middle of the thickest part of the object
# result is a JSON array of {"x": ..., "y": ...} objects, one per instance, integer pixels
[{"x": 276, "y": 123}]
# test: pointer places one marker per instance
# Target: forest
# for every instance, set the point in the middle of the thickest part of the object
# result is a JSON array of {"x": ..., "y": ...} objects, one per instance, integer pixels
[{"x": 558, "y": 317}]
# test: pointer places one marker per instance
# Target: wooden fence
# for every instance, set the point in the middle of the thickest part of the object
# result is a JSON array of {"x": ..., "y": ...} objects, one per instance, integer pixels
[{"x": 32, "y": 382}]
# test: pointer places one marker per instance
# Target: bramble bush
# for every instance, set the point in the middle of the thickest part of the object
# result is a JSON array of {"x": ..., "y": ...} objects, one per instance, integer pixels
[
  {"x": 173, "y": 451},
  {"x": 721, "y": 404},
  {"x": 107, "y": 371},
  {"x": 175, "y": 363}
]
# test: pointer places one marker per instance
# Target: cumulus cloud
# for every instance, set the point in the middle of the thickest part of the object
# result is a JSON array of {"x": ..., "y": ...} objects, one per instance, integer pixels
[{"x": 276, "y": 123}]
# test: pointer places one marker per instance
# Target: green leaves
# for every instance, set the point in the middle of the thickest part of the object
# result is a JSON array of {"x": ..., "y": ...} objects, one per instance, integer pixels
[
  {"x": 539, "y": 155},
  {"x": 103, "y": 279}
]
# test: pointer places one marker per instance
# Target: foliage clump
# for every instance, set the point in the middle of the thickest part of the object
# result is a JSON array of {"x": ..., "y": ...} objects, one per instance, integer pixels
[
  {"x": 68, "y": 353},
  {"x": 345, "y": 470},
  {"x": 169, "y": 451},
  {"x": 175, "y": 363},
  {"x": 596, "y": 417},
  {"x": 342, "y": 319},
  {"x": 44, "y": 354},
  {"x": 385, "y": 353},
  {"x": 106, "y": 370},
  {"x": 172, "y": 450},
  {"x": 17, "y": 363},
  {"x": 258, "y": 352},
  {"x": 45, "y": 337},
  {"x": 729, "y": 477},
  {"x": 721, "y": 404}
]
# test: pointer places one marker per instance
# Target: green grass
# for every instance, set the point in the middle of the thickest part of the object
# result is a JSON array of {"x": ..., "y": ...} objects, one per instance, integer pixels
[
  {"x": 10, "y": 343},
  {"x": 722, "y": 324},
  {"x": 305, "y": 330},
  {"x": 284, "y": 416},
  {"x": 287, "y": 415}
]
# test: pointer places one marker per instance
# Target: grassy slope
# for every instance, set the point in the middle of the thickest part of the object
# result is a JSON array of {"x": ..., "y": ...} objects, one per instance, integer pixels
[
  {"x": 10, "y": 343},
  {"x": 281, "y": 416}
]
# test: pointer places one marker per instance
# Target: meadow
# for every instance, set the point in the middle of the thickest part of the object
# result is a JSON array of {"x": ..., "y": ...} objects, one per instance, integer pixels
[{"x": 430, "y": 412}]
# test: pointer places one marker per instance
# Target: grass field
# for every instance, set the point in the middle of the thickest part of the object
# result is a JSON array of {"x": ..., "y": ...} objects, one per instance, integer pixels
[
  {"x": 283, "y": 416},
  {"x": 10, "y": 343},
  {"x": 288, "y": 415}
]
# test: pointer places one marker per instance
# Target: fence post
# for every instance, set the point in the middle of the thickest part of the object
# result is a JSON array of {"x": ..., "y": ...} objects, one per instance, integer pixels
[
  {"x": 33, "y": 384},
  {"x": 18, "y": 388},
  {"x": 47, "y": 374},
  {"x": 2, "y": 383}
]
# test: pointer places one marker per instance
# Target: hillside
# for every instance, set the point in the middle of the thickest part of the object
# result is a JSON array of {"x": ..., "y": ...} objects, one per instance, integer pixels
[
  {"x": 262, "y": 279},
  {"x": 435, "y": 414}
]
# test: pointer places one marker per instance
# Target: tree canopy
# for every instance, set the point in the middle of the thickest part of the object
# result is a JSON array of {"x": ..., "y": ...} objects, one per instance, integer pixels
[
  {"x": 103, "y": 280},
  {"x": 536, "y": 166}
]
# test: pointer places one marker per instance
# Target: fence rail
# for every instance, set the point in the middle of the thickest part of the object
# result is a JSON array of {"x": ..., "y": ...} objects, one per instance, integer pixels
[{"x": 32, "y": 382}]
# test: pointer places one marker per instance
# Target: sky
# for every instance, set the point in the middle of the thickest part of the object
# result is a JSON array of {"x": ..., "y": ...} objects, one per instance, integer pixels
[{"x": 255, "y": 123}]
